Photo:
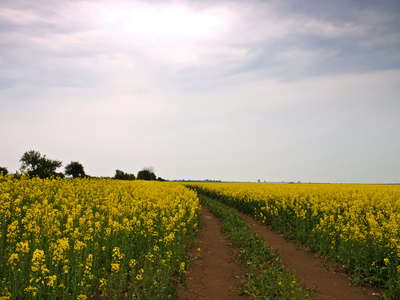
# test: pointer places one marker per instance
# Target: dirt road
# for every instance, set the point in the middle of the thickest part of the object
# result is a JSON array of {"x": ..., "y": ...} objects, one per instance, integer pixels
[
  {"x": 309, "y": 269},
  {"x": 214, "y": 274}
]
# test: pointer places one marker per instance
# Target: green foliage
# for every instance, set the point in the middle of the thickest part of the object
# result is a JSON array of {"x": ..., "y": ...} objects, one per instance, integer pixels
[
  {"x": 36, "y": 164},
  {"x": 59, "y": 174},
  {"x": 146, "y": 175},
  {"x": 75, "y": 169},
  {"x": 3, "y": 170},
  {"x": 120, "y": 175}
]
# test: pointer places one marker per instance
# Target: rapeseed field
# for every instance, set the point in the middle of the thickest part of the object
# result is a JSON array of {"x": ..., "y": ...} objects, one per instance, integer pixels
[
  {"x": 93, "y": 238},
  {"x": 357, "y": 226}
]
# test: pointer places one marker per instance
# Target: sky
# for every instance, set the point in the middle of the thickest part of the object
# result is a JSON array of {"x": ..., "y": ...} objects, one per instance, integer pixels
[{"x": 252, "y": 90}]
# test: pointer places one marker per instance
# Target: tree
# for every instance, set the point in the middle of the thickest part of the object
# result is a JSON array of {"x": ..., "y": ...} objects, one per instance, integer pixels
[
  {"x": 123, "y": 176},
  {"x": 150, "y": 169},
  {"x": 75, "y": 169},
  {"x": 146, "y": 174},
  {"x": 4, "y": 171},
  {"x": 36, "y": 164}
]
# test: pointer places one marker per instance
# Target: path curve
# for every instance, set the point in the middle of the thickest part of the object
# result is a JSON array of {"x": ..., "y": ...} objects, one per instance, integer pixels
[
  {"x": 309, "y": 269},
  {"x": 214, "y": 274}
]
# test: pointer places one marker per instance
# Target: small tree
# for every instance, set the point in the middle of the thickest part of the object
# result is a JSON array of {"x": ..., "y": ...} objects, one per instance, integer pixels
[
  {"x": 75, "y": 169},
  {"x": 35, "y": 164},
  {"x": 123, "y": 176},
  {"x": 146, "y": 174},
  {"x": 30, "y": 161},
  {"x": 4, "y": 171}
]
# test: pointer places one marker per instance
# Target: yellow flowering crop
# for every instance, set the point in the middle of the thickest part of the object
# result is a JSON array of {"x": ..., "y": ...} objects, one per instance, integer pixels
[
  {"x": 78, "y": 238},
  {"x": 356, "y": 225}
]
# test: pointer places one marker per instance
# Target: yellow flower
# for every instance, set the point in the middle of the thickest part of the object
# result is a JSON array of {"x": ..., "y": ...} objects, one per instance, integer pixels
[
  {"x": 68, "y": 219},
  {"x": 38, "y": 261},
  {"x": 51, "y": 280},
  {"x": 115, "y": 268},
  {"x": 116, "y": 254},
  {"x": 31, "y": 289},
  {"x": 61, "y": 248},
  {"x": 182, "y": 267},
  {"x": 103, "y": 282},
  {"x": 65, "y": 269},
  {"x": 13, "y": 259},
  {"x": 132, "y": 263},
  {"x": 22, "y": 247},
  {"x": 139, "y": 277}
]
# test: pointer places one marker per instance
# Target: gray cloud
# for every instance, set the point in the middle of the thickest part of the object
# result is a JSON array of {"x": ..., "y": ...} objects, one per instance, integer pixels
[{"x": 231, "y": 90}]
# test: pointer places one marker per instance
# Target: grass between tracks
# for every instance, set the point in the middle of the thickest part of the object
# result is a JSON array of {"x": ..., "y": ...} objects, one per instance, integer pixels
[{"x": 265, "y": 277}]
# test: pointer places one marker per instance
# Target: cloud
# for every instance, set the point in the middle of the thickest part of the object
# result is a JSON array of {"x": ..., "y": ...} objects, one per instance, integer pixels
[
  {"x": 204, "y": 89},
  {"x": 169, "y": 40}
]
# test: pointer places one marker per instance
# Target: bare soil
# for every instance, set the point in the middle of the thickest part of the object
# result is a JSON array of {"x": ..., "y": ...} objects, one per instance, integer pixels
[
  {"x": 310, "y": 269},
  {"x": 213, "y": 273}
]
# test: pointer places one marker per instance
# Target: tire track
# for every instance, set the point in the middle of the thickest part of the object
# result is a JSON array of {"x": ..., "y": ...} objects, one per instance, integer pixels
[
  {"x": 309, "y": 269},
  {"x": 214, "y": 274}
]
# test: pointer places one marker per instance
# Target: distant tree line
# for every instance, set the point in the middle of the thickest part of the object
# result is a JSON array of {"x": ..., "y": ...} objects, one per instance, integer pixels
[
  {"x": 39, "y": 165},
  {"x": 197, "y": 180},
  {"x": 120, "y": 175},
  {"x": 145, "y": 174}
]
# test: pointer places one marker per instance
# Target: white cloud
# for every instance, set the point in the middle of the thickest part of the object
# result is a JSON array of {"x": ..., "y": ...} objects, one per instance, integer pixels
[{"x": 221, "y": 90}]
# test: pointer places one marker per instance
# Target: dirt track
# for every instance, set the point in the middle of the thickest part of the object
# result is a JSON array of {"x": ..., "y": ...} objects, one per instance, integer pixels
[
  {"x": 214, "y": 274},
  {"x": 309, "y": 269}
]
